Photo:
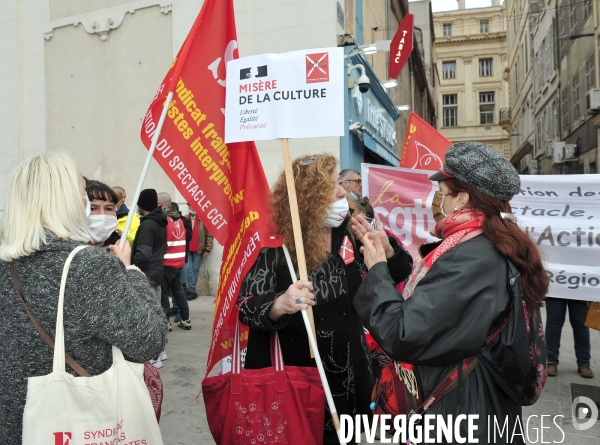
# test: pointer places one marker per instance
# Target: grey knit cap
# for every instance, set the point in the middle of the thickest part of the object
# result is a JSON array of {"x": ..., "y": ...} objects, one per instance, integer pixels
[{"x": 481, "y": 167}]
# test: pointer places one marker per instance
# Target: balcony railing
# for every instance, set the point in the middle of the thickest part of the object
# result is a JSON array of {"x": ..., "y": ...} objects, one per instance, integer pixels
[
  {"x": 504, "y": 115},
  {"x": 505, "y": 118}
]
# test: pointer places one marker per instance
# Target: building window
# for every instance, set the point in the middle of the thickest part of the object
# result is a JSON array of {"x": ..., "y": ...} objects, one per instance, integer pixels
[
  {"x": 549, "y": 123},
  {"x": 547, "y": 58},
  {"x": 539, "y": 74},
  {"x": 516, "y": 80},
  {"x": 575, "y": 85},
  {"x": 484, "y": 26},
  {"x": 562, "y": 23},
  {"x": 485, "y": 67},
  {"x": 538, "y": 133},
  {"x": 573, "y": 16},
  {"x": 565, "y": 107},
  {"x": 450, "y": 106},
  {"x": 590, "y": 75},
  {"x": 486, "y": 108},
  {"x": 447, "y": 29},
  {"x": 449, "y": 70},
  {"x": 587, "y": 8}
]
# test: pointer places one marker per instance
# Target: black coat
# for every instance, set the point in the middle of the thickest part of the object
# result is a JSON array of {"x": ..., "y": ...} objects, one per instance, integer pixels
[
  {"x": 340, "y": 333},
  {"x": 150, "y": 245},
  {"x": 455, "y": 307}
]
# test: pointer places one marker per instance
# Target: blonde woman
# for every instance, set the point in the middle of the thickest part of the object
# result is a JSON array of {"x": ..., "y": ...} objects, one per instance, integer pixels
[
  {"x": 270, "y": 302},
  {"x": 107, "y": 301}
]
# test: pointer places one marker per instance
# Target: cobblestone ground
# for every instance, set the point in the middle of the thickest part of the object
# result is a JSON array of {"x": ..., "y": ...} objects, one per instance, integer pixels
[{"x": 184, "y": 421}]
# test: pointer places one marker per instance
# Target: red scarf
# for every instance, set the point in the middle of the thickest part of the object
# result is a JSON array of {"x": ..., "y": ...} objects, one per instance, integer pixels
[{"x": 454, "y": 229}]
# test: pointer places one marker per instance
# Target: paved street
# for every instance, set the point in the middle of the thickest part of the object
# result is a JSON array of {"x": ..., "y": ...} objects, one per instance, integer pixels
[{"x": 184, "y": 421}]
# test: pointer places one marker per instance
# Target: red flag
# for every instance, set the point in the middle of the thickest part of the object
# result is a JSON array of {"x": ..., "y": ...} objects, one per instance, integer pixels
[
  {"x": 424, "y": 146},
  {"x": 401, "y": 46},
  {"x": 225, "y": 184}
]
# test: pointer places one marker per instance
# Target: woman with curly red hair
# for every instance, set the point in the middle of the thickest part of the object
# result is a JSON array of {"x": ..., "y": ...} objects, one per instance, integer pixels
[{"x": 270, "y": 302}]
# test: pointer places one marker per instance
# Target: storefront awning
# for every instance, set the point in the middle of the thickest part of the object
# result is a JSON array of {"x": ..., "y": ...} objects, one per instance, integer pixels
[{"x": 380, "y": 150}]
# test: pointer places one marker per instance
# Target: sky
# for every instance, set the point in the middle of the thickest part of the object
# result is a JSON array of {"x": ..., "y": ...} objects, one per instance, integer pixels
[{"x": 448, "y": 5}]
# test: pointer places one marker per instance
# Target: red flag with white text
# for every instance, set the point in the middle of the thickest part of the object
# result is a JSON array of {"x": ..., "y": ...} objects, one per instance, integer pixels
[
  {"x": 424, "y": 147},
  {"x": 224, "y": 183}
]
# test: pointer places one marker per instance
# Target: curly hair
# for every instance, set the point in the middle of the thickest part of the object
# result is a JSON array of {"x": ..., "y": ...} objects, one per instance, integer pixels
[{"x": 314, "y": 188}]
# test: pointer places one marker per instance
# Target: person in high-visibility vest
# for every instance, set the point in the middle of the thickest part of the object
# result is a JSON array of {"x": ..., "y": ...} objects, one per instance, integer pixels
[{"x": 177, "y": 238}]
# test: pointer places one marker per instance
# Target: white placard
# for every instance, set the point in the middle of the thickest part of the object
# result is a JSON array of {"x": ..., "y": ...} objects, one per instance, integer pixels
[{"x": 299, "y": 94}]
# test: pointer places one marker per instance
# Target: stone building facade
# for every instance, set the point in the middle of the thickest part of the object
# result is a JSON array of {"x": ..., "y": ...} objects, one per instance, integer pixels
[{"x": 471, "y": 50}]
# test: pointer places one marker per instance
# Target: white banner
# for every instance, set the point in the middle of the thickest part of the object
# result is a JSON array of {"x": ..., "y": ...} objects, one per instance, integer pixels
[
  {"x": 298, "y": 94},
  {"x": 560, "y": 212}
]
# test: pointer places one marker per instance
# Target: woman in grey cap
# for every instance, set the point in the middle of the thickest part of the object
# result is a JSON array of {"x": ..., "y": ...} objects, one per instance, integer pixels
[
  {"x": 107, "y": 301},
  {"x": 458, "y": 294}
]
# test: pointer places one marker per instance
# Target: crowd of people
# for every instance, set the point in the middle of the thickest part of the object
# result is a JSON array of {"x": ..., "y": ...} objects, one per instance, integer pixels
[{"x": 432, "y": 315}]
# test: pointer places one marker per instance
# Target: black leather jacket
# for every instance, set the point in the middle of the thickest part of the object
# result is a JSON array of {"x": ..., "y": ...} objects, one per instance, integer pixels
[{"x": 461, "y": 300}]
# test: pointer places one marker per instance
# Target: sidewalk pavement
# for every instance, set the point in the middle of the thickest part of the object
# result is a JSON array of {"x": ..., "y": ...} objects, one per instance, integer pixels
[{"x": 183, "y": 419}]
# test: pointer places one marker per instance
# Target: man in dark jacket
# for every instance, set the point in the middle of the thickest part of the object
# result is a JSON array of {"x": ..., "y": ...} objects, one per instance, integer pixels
[{"x": 150, "y": 243}]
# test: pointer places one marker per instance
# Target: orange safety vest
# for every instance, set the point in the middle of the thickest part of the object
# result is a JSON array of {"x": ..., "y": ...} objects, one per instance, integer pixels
[{"x": 175, "y": 254}]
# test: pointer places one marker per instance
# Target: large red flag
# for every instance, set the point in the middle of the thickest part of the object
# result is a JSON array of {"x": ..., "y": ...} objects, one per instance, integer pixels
[
  {"x": 225, "y": 184},
  {"x": 424, "y": 146}
]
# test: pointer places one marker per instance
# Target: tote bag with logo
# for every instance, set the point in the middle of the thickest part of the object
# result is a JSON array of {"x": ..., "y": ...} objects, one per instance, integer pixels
[{"x": 113, "y": 407}]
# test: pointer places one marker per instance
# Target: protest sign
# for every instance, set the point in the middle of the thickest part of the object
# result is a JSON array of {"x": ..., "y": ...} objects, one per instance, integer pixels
[
  {"x": 558, "y": 211},
  {"x": 224, "y": 183},
  {"x": 289, "y": 95}
]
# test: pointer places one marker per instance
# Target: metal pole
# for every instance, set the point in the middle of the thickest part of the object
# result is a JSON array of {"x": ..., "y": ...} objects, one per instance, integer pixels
[{"x": 138, "y": 190}]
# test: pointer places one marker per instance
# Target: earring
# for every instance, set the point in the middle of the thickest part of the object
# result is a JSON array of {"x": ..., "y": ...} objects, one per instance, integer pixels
[{"x": 456, "y": 209}]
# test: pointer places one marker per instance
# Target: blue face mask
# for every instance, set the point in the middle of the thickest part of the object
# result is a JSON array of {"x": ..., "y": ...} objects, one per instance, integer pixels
[{"x": 355, "y": 196}]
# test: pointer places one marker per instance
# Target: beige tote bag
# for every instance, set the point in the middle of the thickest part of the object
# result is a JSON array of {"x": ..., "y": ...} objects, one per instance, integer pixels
[{"x": 113, "y": 407}]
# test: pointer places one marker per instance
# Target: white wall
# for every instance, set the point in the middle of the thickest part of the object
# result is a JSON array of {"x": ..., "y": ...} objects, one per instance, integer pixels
[{"x": 64, "y": 88}]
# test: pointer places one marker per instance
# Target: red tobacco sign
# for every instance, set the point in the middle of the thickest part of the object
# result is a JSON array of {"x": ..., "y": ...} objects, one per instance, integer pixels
[{"x": 401, "y": 46}]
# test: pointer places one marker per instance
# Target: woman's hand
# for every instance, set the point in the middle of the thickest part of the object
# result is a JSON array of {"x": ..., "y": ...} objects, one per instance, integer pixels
[
  {"x": 361, "y": 227},
  {"x": 372, "y": 249},
  {"x": 122, "y": 254},
  {"x": 294, "y": 300}
]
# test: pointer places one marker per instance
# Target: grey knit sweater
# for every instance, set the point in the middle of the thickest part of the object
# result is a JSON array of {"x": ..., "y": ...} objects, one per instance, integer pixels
[{"x": 105, "y": 304}]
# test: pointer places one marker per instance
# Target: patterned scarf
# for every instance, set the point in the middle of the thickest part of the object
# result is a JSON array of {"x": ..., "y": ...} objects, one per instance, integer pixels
[{"x": 454, "y": 229}]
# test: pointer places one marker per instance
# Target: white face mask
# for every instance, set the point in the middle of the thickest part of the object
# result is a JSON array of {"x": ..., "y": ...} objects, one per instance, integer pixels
[
  {"x": 336, "y": 213},
  {"x": 88, "y": 206},
  {"x": 355, "y": 196},
  {"x": 102, "y": 226}
]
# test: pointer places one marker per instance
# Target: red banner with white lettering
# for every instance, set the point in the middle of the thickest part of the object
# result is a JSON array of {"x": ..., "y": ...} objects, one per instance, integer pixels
[
  {"x": 401, "y": 46},
  {"x": 225, "y": 184},
  {"x": 424, "y": 146}
]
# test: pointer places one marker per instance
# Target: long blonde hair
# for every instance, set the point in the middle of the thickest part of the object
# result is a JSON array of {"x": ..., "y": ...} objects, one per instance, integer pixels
[{"x": 44, "y": 193}]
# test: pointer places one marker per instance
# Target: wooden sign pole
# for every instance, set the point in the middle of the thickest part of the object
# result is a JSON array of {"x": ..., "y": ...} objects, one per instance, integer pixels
[{"x": 291, "y": 187}]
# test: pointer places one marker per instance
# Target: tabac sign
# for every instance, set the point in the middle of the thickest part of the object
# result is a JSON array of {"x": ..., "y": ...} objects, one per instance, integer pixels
[{"x": 401, "y": 46}]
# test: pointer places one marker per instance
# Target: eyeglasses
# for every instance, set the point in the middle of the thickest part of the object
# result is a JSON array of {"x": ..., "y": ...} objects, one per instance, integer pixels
[
  {"x": 308, "y": 160},
  {"x": 358, "y": 181}
]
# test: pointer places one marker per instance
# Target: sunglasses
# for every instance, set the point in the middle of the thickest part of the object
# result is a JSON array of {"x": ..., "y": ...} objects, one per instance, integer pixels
[
  {"x": 358, "y": 181},
  {"x": 308, "y": 160}
]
